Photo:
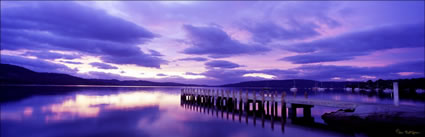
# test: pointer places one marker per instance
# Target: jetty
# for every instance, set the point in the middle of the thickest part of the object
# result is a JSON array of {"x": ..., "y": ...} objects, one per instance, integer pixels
[{"x": 276, "y": 106}]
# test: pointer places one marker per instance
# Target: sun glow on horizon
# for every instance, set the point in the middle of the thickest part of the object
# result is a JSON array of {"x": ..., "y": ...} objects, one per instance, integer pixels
[{"x": 261, "y": 75}]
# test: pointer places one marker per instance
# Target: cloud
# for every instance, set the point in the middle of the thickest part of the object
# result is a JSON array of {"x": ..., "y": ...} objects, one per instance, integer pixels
[
  {"x": 216, "y": 43},
  {"x": 161, "y": 74},
  {"x": 105, "y": 75},
  {"x": 191, "y": 73},
  {"x": 102, "y": 65},
  {"x": 141, "y": 60},
  {"x": 292, "y": 21},
  {"x": 86, "y": 22},
  {"x": 326, "y": 72},
  {"x": 77, "y": 28},
  {"x": 194, "y": 59},
  {"x": 358, "y": 43},
  {"x": 36, "y": 64},
  {"x": 221, "y": 64},
  {"x": 265, "y": 32},
  {"x": 154, "y": 53},
  {"x": 51, "y": 55},
  {"x": 319, "y": 72},
  {"x": 72, "y": 62}
]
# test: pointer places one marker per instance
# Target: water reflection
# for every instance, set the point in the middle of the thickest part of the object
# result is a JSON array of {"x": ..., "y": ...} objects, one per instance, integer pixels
[
  {"x": 91, "y": 105},
  {"x": 149, "y": 111}
]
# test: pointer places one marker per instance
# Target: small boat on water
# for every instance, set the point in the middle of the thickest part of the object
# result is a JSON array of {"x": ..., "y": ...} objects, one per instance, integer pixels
[
  {"x": 348, "y": 89},
  {"x": 377, "y": 87},
  {"x": 356, "y": 89},
  {"x": 387, "y": 90},
  {"x": 420, "y": 91},
  {"x": 321, "y": 89},
  {"x": 293, "y": 89},
  {"x": 368, "y": 90}
]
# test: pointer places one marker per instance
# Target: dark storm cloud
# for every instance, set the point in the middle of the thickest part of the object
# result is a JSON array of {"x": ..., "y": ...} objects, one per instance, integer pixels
[
  {"x": 72, "y": 27},
  {"x": 216, "y": 43},
  {"x": 194, "y": 59},
  {"x": 221, "y": 64},
  {"x": 347, "y": 46},
  {"x": 36, "y": 64},
  {"x": 102, "y": 65}
]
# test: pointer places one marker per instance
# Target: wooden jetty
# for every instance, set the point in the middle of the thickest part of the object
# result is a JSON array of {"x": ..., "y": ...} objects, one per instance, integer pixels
[
  {"x": 273, "y": 107},
  {"x": 263, "y": 104},
  {"x": 255, "y": 103}
]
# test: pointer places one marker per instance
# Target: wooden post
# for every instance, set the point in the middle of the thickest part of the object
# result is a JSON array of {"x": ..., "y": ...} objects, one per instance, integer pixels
[
  {"x": 234, "y": 103},
  {"x": 283, "y": 108},
  {"x": 222, "y": 98},
  {"x": 293, "y": 111},
  {"x": 307, "y": 112},
  {"x": 272, "y": 106},
  {"x": 262, "y": 102},
  {"x": 246, "y": 103},
  {"x": 240, "y": 101},
  {"x": 275, "y": 106},
  {"x": 395, "y": 90},
  {"x": 268, "y": 105},
  {"x": 254, "y": 104}
]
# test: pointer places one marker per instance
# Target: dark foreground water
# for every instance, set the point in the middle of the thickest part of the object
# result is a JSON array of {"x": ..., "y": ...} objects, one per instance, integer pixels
[{"x": 149, "y": 111}]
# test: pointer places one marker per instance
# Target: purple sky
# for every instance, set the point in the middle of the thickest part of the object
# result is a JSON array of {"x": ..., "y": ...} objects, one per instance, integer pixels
[{"x": 216, "y": 42}]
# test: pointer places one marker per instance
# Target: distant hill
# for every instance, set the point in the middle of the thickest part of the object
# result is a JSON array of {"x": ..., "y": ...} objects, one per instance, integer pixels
[
  {"x": 408, "y": 84},
  {"x": 299, "y": 83},
  {"x": 11, "y": 74}
]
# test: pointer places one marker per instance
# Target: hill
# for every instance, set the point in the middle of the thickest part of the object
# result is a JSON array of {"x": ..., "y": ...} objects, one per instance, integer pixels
[{"x": 11, "y": 74}]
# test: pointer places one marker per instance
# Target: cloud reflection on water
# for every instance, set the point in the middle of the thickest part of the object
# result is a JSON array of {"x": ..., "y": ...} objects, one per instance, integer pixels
[{"x": 85, "y": 106}]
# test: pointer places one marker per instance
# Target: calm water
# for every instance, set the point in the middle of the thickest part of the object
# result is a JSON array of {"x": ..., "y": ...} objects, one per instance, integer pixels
[{"x": 150, "y": 111}]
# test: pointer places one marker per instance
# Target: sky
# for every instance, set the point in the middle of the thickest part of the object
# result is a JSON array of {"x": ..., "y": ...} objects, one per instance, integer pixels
[{"x": 216, "y": 42}]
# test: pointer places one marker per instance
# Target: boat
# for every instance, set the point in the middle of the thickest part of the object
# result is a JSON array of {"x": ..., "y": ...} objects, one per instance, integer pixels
[
  {"x": 387, "y": 90},
  {"x": 420, "y": 91},
  {"x": 348, "y": 89},
  {"x": 293, "y": 89},
  {"x": 356, "y": 89},
  {"x": 377, "y": 87},
  {"x": 320, "y": 88}
]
